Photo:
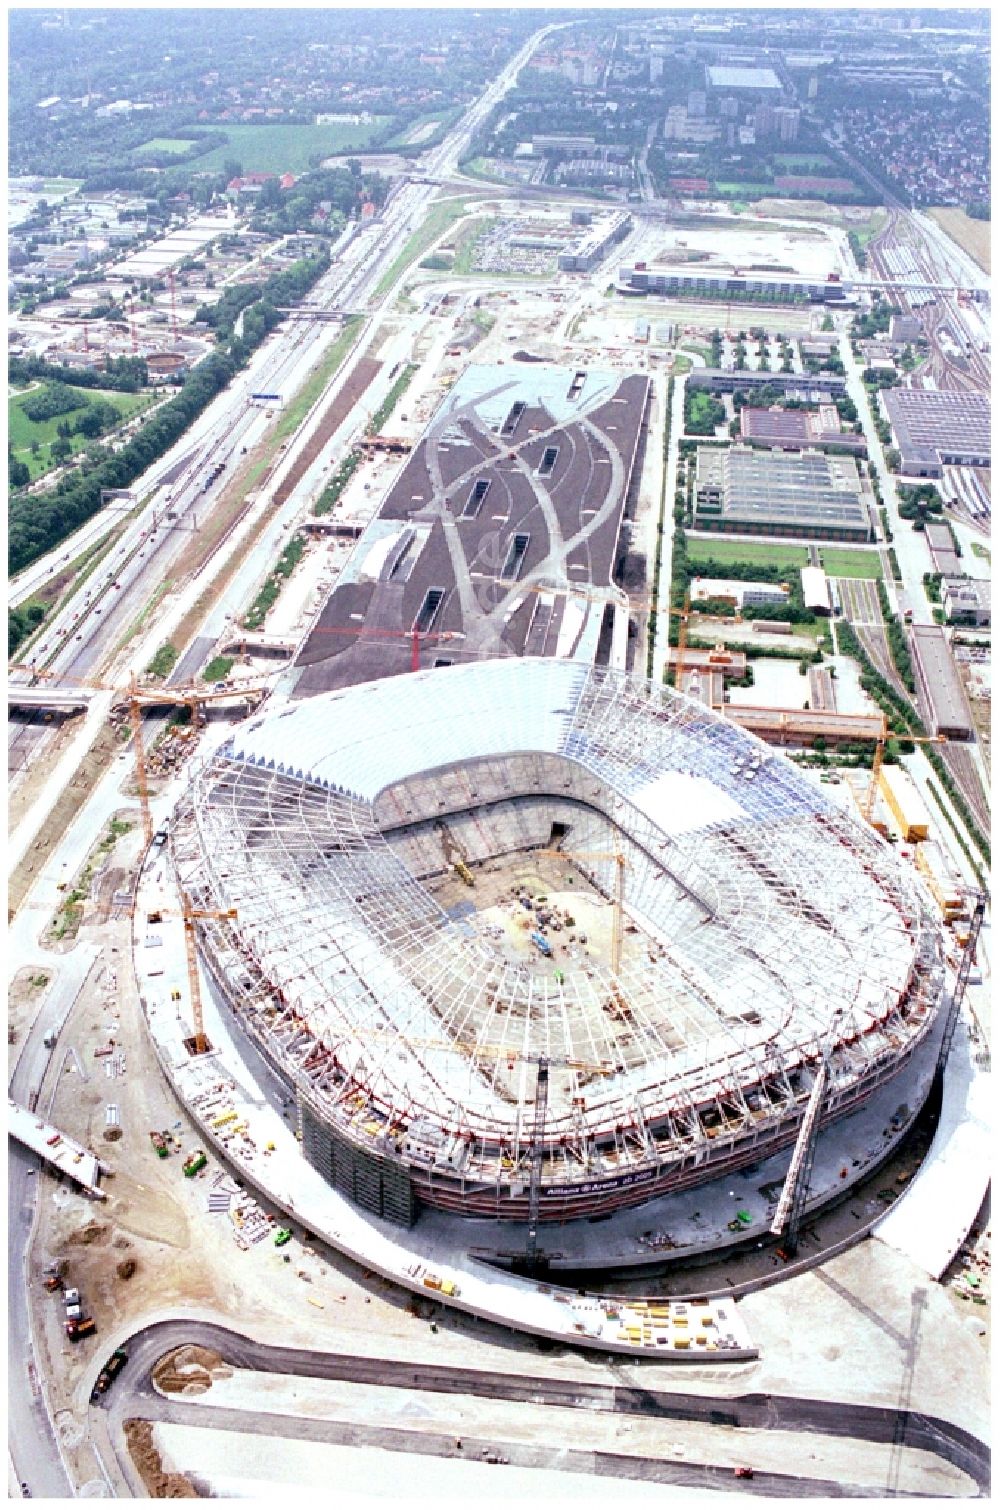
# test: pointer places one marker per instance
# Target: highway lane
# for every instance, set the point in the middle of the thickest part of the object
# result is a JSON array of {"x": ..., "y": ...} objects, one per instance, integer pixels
[{"x": 134, "y": 1395}]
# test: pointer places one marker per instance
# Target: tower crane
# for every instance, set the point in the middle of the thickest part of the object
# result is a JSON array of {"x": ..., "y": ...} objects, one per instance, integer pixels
[
  {"x": 618, "y": 930},
  {"x": 138, "y": 698},
  {"x": 190, "y": 914},
  {"x": 880, "y": 743}
]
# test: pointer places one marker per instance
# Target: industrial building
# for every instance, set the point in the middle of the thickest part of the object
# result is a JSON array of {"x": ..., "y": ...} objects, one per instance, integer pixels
[
  {"x": 450, "y": 1042},
  {"x": 755, "y": 81},
  {"x": 939, "y": 682},
  {"x": 740, "y": 594},
  {"x": 596, "y": 243},
  {"x": 795, "y": 429},
  {"x": 805, "y": 494},
  {"x": 814, "y": 388},
  {"x": 941, "y": 544},
  {"x": 512, "y": 499},
  {"x": 904, "y": 802},
  {"x": 815, "y": 590},
  {"x": 782, "y": 288},
  {"x": 933, "y": 428},
  {"x": 966, "y": 601}
]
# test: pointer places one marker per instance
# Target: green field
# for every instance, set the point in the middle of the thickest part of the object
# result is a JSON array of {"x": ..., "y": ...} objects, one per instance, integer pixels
[
  {"x": 743, "y": 191},
  {"x": 173, "y": 144},
  {"x": 753, "y": 553},
  {"x": 21, "y": 430},
  {"x": 801, "y": 162},
  {"x": 847, "y": 563},
  {"x": 287, "y": 149}
]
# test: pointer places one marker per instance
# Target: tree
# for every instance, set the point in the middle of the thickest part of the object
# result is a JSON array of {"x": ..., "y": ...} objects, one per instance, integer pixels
[
  {"x": 232, "y": 168},
  {"x": 18, "y": 473},
  {"x": 354, "y": 167},
  {"x": 60, "y": 449}
]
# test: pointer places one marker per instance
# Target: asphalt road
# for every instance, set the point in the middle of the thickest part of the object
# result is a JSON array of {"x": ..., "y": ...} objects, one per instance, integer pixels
[{"x": 134, "y": 1396}]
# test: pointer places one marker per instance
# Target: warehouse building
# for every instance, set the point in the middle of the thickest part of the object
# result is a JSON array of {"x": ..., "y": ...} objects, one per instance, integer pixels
[
  {"x": 759, "y": 82},
  {"x": 792, "y": 429},
  {"x": 815, "y": 590},
  {"x": 804, "y": 494},
  {"x": 815, "y": 388},
  {"x": 768, "y": 288},
  {"x": 740, "y": 594},
  {"x": 932, "y": 429},
  {"x": 940, "y": 683}
]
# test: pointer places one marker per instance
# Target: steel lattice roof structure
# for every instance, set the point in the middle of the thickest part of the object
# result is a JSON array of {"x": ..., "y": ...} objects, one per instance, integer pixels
[{"x": 775, "y": 931}]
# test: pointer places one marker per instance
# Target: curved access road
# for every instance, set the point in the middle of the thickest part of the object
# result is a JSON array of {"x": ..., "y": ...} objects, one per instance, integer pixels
[{"x": 135, "y": 1395}]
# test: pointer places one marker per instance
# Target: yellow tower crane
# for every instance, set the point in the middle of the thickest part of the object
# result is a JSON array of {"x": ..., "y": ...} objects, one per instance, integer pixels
[
  {"x": 880, "y": 743},
  {"x": 618, "y": 929}
]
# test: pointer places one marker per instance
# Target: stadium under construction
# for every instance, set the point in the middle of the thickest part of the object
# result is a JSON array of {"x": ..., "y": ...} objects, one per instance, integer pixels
[{"x": 530, "y": 942}]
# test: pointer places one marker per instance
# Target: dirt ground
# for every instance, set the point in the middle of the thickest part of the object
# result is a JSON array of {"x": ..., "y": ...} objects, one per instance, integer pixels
[
  {"x": 146, "y": 1457},
  {"x": 189, "y": 1370},
  {"x": 88, "y": 774},
  {"x": 26, "y": 993},
  {"x": 973, "y": 236}
]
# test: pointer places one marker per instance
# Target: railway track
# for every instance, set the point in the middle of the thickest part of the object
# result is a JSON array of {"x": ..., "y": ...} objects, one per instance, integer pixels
[
  {"x": 965, "y": 775},
  {"x": 862, "y": 610}
]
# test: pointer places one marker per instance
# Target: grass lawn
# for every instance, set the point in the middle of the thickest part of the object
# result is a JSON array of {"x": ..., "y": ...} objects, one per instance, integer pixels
[
  {"x": 61, "y": 185},
  {"x": 21, "y": 430},
  {"x": 175, "y": 144},
  {"x": 847, "y": 563},
  {"x": 287, "y": 149},
  {"x": 441, "y": 216},
  {"x": 743, "y": 191},
  {"x": 980, "y": 551},
  {"x": 405, "y": 138},
  {"x": 752, "y": 552},
  {"x": 866, "y": 230}
]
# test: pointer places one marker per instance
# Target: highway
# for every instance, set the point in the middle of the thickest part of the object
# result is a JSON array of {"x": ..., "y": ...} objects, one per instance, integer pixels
[{"x": 631, "y": 1397}]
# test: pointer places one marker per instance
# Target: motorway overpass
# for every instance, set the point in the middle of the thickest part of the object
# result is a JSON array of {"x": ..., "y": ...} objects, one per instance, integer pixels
[
  {"x": 58, "y": 1149},
  {"x": 58, "y": 699}
]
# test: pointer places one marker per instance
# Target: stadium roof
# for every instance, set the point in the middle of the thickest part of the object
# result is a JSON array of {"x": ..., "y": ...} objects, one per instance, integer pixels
[{"x": 315, "y": 823}]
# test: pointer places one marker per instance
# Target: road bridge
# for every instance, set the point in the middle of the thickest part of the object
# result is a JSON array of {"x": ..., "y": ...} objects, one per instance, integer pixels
[
  {"x": 58, "y": 1149},
  {"x": 58, "y": 699}
]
